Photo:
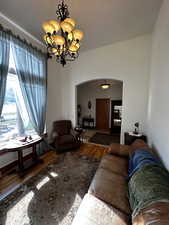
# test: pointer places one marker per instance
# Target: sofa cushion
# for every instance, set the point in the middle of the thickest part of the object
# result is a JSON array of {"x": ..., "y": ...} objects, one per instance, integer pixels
[
  {"x": 62, "y": 127},
  {"x": 115, "y": 164},
  {"x": 119, "y": 150},
  {"x": 93, "y": 211},
  {"x": 155, "y": 214},
  {"x": 111, "y": 188},
  {"x": 65, "y": 139}
]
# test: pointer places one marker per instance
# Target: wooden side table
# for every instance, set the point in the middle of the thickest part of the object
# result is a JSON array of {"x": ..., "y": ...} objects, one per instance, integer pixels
[
  {"x": 129, "y": 138},
  {"x": 80, "y": 132},
  {"x": 19, "y": 149}
]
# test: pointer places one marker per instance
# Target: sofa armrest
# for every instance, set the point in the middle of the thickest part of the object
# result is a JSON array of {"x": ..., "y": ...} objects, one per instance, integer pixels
[
  {"x": 139, "y": 144},
  {"x": 119, "y": 150},
  {"x": 93, "y": 211},
  {"x": 54, "y": 138}
]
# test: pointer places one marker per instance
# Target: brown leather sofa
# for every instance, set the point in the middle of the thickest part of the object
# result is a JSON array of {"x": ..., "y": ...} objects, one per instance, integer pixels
[
  {"x": 106, "y": 202},
  {"x": 63, "y": 137}
]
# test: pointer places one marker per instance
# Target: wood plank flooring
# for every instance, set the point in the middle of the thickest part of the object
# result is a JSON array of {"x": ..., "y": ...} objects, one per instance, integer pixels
[
  {"x": 11, "y": 181},
  {"x": 93, "y": 150}
]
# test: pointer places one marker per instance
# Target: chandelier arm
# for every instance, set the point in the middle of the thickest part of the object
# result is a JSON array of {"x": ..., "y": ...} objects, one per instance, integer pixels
[
  {"x": 68, "y": 44},
  {"x": 51, "y": 40},
  {"x": 73, "y": 39},
  {"x": 72, "y": 58},
  {"x": 76, "y": 54}
]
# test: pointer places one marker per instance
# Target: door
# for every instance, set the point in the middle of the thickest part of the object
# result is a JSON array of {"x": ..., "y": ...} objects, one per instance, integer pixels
[
  {"x": 102, "y": 114},
  {"x": 116, "y": 112}
]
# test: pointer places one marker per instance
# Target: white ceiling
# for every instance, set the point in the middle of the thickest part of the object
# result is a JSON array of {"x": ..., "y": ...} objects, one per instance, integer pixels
[{"x": 103, "y": 21}]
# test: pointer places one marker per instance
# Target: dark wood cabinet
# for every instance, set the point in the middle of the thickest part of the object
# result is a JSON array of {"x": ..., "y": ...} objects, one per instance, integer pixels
[{"x": 129, "y": 139}]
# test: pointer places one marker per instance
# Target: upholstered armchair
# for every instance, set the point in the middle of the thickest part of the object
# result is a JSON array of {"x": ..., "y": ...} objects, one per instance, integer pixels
[{"x": 63, "y": 137}]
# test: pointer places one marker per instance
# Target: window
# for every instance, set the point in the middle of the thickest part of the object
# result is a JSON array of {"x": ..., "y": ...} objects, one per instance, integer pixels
[{"x": 14, "y": 121}]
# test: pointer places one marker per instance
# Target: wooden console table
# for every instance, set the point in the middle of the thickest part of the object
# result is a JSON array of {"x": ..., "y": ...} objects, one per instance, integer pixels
[
  {"x": 89, "y": 121},
  {"x": 19, "y": 148},
  {"x": 129, "y": 138}
]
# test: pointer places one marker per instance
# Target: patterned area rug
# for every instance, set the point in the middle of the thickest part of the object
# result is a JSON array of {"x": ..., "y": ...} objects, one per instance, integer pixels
[
  {"x": 53, "y": 196},
  {"x": 104, "y": 139}
]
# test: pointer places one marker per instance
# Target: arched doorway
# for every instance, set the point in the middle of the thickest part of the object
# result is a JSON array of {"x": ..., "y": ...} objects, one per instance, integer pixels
[{"x": 99, "y": 106}]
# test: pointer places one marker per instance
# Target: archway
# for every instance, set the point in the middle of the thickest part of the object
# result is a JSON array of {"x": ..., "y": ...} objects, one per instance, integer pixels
[{"x": 89, "y": 95}]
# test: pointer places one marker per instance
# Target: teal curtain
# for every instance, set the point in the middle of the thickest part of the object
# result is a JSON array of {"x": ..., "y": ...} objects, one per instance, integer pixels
[
  {"x": 31, "y": 67},
  {"x": 4, "y": 63}
]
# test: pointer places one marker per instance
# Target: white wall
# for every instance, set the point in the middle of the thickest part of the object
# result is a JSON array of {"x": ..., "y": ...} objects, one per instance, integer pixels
[
  {"x": 127, "y": 61},
  {"x": 54, "y": 109},
  {"x": 159, "y": 86},
  {"x": 52, "y": 73},
  {"x": 91, "y": 91}
]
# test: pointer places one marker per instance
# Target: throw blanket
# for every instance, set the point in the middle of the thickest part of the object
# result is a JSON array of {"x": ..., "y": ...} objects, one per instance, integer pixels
[
  {"x": 140, "y": 158},
  {"x": 148, "y": 185}
]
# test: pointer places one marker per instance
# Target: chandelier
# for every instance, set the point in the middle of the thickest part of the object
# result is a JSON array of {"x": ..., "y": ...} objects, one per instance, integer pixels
[{"x": 61, "y": 38}]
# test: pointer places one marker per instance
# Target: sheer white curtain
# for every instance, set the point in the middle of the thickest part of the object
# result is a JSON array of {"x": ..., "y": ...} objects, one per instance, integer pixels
[
  {"x": 31, "y": 68},
  {"x": 4, "y": 63}
]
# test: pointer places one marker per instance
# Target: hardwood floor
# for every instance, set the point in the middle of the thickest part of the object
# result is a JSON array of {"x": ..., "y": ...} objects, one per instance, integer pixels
[
  {"x": 11, "y": 181},
  {"x": 93, "y": 150}
]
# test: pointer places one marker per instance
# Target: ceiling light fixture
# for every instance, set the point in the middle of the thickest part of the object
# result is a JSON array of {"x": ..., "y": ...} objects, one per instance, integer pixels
[
  {"x": 105, "y": 86},
  {"x": 65, "y": 45}
]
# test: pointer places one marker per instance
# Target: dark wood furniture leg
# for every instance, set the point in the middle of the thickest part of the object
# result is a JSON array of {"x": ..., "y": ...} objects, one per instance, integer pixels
[
  {"x": 20, "y": 162},
  {"x": 34, "y": 155}
]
